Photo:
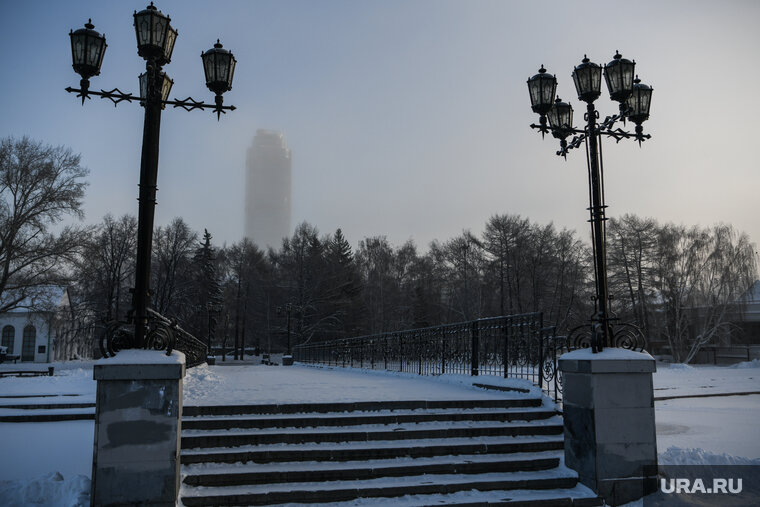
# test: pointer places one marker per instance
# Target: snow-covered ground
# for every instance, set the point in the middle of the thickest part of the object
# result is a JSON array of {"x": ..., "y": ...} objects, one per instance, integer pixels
[{"x": 49, "y": 463}]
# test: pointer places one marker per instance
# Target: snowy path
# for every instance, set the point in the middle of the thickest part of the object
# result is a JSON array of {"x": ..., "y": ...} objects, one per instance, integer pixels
[{"x": 226, "y": 385}]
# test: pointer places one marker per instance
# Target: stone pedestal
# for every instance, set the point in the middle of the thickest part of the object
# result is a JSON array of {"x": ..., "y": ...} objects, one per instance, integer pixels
[
  {"x": 608, "y": 409},
  {"x": 137, "y": 428}
]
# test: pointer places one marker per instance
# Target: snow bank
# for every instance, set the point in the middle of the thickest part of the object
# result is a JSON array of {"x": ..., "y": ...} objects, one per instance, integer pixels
[
  {"x": 699, "y": 456},
  {"x": 141, "y": 356},
  {"x": 680, "y": 366},
  {"x": 755, "y": 363},
  {"x": 49, "y": 490}
]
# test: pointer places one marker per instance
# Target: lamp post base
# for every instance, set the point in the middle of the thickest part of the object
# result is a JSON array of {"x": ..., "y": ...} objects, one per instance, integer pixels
[
  {"x": 608, "y": 411},
  {"x": 137, "y": 429}
]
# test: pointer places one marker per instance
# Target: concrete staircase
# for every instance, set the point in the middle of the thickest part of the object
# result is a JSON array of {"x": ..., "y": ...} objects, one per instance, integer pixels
[
  {"x": 45, "y": 408},
  {"x": 471, "y": 452}
]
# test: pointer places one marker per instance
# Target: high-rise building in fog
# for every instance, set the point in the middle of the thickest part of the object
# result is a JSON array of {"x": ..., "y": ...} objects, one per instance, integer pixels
[{"x": 268, "y": 182}]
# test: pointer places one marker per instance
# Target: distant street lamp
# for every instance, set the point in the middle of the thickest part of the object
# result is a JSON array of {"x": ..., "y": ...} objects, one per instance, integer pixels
[
  {"x": 155, "y": 43},
  {"x": 286, "y": 310},
  {"x": 634, "y": 99}
]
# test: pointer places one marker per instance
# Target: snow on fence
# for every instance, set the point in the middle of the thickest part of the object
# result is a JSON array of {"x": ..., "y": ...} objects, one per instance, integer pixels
[{"x": 513, "y": 346}]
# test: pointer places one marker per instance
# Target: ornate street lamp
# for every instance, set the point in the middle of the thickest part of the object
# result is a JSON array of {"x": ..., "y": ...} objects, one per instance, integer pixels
[
  {"x": 155, "y": 36},
  {"x": 155, "y": 43},
  {"x": 588, "y": 80},
  {"x": 619, "y": 77},
  {"x": 542, "y": 88},
  {"x": 561, "y": 120},
  {"x": 219, "y": 68},
  {"x": 634, "y": 98},
  {"x": 87, "y": 50},
  {"x": 286, "y": 310},
  {"x": 164, "y": 84},
  {"x": 638, "y": 104}
]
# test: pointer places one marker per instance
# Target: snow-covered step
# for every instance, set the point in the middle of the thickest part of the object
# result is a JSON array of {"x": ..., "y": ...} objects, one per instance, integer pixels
[
  {"x": 405, "y": 453},
  {"x": 218, "y": 422},
  {"x": 20, "y": 409},
  {"x": 235, "y": 475},
  {"x": 368, "y": 450},
  {"x": 579, "y": 496},
  {"x": 330, "y": 465},
  {"x": 232, "y": 439},
  {"x": 362, "y": 406},
  {"x": 46, "y": 415},
  {"x": 553, "y": 421},
  {"x": 333, "y": 491}
]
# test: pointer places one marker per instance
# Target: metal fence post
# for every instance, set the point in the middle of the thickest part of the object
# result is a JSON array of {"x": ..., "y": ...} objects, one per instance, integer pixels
[
  {"x": 475, "y": 337},
  {"x": 420, "y": 348},
  {"x": 401, "y": 352},
  {"x": 385, "y": 350},
  {"x": 505, "y": 332},
  {"x": 443, "y": 351}
]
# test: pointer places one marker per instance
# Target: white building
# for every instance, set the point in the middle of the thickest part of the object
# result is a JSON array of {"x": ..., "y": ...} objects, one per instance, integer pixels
[{"x": 28, "y": 330}]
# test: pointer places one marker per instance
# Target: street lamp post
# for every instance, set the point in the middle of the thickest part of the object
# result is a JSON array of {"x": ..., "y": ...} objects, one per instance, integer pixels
[
  {"x": 155, "y": 43},
  {"x": 634, "y": 100},
  {"x": 286, "y": 310}
]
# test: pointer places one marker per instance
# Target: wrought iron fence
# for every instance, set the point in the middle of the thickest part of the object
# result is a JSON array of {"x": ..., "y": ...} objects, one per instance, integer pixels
[{"x": 514, "y": 346}]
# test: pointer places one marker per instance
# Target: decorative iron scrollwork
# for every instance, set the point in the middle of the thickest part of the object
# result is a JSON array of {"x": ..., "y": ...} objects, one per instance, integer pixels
[
  {"x": 624, "y": 336},
  {"x": 116, "y": 96},
  {"x": 163, "y": 334}
]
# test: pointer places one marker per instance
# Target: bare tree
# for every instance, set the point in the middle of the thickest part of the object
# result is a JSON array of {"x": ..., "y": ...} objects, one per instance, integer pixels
[
  {"x": 464, "y": 256},
  {"x": 173, "y": 249},
  {"x": 39, "y": 186},
  {"x": 105, "y": 270},
  {"x": 702, "y": 274},
  {"x": 632, "y": 253}
]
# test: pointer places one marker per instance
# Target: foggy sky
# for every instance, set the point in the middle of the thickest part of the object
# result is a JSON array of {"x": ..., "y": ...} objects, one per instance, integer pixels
[{"x": 408, "y": 119}]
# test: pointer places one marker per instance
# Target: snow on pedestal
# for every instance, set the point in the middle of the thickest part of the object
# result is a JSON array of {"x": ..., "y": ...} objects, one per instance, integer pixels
[
  {"x": 608, "y": 408},
  {"x": 137, "y": 428}
]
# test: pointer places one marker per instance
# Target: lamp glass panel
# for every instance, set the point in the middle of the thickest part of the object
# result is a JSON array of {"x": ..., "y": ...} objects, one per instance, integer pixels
[
  {"x": 78, "y": 48},
  {"x": 547, "y": 91},
  {"x": 159, "y": 31},
  {"x": 166, "y": 87},
  {"x": 143, "y": 29},
  {"x": 645, "y": 98},
  {"x": 582, "y": 81},
  {"x": 233, "y": 62},
  {"x": 171, "y": 38},
  {"x": 95, "y": 46},
  {"x": 596, "y": 78},
  {"x": 208, "y": 67},
  {"x": 612, "y": 76},
  {"x": 222, "y": 67},
  {"x": 535, "y": 91},
  {"x": 553, "y": 116},
  {"x": 627, "y": 76},
  {"x": 565, "y": 116},
  {"x": 102, "y": 52}
]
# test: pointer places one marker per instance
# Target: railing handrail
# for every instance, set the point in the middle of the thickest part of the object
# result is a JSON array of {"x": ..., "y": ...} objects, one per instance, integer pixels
[
  {"x": 416, "y": 330},
  {"x": 517, "y": 346}
]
